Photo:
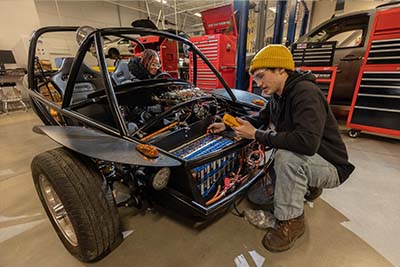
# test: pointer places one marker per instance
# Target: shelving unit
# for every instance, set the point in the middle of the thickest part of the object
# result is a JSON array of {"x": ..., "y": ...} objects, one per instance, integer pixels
[
  {"x": 325, "y": 78},
  {"x": 376, "y": 102},
  {"x": 10, "y": 94}
]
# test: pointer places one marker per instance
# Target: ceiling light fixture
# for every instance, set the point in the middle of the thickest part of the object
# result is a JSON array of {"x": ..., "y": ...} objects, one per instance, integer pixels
[{"x": 197, "y": 14}]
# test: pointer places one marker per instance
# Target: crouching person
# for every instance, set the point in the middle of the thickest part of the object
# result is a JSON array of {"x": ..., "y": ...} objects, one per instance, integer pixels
[{"x": 310, "y": 152}]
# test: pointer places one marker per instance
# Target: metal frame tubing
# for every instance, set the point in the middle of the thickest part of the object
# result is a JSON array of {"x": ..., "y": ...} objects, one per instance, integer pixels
[
  {"x": 242, "y": 41},
  {"x": 304, "y": 21},
  {"x": 279, "y": 21},
  {"x": 262, "y": 16},
  {"x": 113, "y": 102},
  {"x": 292, "y": 24}
]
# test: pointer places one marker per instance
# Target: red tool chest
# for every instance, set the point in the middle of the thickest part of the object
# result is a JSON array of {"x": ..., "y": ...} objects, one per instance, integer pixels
[
  {"x": 218, "y": 45},
  {"x": 325, "y": 78},
  {"x": 376, "y": 101}
]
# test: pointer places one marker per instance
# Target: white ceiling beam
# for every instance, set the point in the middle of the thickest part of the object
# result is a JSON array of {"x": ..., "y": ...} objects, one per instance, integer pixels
[
  {"x": 189, "y": 11},
  {"x": 130, "y": 7}
]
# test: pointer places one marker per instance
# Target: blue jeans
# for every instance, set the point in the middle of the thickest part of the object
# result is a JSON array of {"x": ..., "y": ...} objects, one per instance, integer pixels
[{"x": 294, "y": 173}]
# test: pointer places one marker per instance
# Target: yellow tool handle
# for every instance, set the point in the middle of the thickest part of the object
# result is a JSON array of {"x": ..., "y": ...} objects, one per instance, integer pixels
[{"x": 230, "y": 120}]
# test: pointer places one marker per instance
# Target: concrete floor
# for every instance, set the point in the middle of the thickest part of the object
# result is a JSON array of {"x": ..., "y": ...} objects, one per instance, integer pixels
[{"x": 357, "y": 224}]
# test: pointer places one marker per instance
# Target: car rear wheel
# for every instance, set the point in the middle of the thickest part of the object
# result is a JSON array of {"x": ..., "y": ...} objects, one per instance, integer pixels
[{"x": 78, "y": 202}]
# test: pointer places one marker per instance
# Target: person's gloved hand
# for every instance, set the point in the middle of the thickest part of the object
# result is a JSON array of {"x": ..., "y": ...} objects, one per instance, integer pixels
[{"x": 216, "y": 127}]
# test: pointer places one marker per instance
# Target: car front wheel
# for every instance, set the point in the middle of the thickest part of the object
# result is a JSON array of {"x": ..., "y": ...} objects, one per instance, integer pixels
[{"x": 78, "y": 202}]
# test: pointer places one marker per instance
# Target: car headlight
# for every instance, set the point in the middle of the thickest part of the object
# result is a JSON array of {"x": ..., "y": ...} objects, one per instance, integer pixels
[{"x": 161, "y": 178}]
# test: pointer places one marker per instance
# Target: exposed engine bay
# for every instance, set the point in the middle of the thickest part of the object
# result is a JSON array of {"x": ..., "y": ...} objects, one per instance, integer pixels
[
  {"x": 168, "y": 110},
  {"x": 175, "y": 118}
]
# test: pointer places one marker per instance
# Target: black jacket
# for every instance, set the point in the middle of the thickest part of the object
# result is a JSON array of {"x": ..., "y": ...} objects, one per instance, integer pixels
[
  {"x": 304, "y": 123},
  {"x": 137, "y": 70}
]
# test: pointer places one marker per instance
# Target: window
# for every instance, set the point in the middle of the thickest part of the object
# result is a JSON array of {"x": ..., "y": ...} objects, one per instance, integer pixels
[
  {"x": 347, "y": 32},
  {"x": 347, "y": 39},
  {"x": 124, "y": 41}
]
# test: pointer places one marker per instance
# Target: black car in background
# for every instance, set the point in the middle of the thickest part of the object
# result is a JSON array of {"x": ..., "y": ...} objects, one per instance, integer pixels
[{"x": 351, "y": 33}]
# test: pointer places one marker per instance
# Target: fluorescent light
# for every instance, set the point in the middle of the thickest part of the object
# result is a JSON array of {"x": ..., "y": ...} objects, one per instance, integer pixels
[
  {"x": 197, "y": 14},
  {"x": 163, "y": 1},
  {"x": 273, "y": 9}
]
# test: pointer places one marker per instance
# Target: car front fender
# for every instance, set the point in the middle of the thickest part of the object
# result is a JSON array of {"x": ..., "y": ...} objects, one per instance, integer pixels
[
  {"x": 243, "y": 97},
  {"x": 99, "y": 145}
]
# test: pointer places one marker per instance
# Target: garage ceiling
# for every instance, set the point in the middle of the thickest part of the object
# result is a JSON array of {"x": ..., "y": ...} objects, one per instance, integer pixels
[{"x": 108, "y": 13}]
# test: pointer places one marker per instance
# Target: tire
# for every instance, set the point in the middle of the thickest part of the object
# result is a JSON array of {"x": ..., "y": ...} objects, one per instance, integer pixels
[
  {"x": 86, "y": 218},
  {"x": 353, "y": 133},
  {"x": 113, "y": 53}
]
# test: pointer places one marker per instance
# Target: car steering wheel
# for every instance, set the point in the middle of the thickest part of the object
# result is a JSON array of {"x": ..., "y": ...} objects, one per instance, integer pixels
[{"x": 162, "y": 74}]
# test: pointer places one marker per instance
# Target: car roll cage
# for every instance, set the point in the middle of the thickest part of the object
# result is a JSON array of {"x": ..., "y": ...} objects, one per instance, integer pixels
[{"x": 78, "y": 59}]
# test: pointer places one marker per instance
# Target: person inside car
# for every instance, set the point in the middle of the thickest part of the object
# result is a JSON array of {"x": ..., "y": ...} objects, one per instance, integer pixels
[
  {"x": 146, "y": 67},
  {"x": 310, "y": 153}
]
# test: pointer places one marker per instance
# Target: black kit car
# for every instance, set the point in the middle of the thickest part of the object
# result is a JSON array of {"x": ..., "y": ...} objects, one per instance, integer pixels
[{"x": 148, "y": 137}]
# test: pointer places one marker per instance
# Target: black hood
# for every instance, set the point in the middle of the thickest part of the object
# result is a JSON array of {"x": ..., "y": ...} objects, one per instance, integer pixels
[
  {"x": 137, "y": 69},
  {"x": 296, "y": 77},
  {"x": 277, "y": 101}
]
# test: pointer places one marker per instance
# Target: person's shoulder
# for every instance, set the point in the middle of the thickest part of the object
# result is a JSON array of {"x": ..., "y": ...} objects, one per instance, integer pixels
[
  {"x": 304, "y": 85},
  {"x": 307, "y": 89},
  {"x": 133, "y": 60}
]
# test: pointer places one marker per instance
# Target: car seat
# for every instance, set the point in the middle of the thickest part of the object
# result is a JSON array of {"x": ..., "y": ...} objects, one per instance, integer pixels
[
  {"x": 122, "y": 74},
  {"x": 87, "y": 80}
]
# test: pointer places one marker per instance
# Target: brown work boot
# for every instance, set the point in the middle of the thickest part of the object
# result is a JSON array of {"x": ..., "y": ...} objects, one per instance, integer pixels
[
  {"x": 284, "y": 235},
  {"x": 313, "y": 193}
]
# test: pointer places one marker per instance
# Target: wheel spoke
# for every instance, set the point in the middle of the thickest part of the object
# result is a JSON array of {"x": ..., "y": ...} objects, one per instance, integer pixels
[{"x": 57, "y": 210}]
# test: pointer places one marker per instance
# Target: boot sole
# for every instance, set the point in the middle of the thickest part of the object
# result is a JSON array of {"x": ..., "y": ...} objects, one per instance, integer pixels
[{"x": 272, "y": 249}]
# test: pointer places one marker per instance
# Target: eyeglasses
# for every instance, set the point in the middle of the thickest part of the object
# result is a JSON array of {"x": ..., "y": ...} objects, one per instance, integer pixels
[
  {"x": 259, "y": 76},
  {"x": 155, "y": 65}
]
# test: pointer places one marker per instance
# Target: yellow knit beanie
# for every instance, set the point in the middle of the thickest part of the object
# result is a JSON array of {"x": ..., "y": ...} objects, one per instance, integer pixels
[{"x": 272, "y": 56}]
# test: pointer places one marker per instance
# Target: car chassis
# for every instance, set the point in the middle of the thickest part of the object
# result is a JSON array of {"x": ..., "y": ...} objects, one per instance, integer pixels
[{"x": 155, "y": 145}]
